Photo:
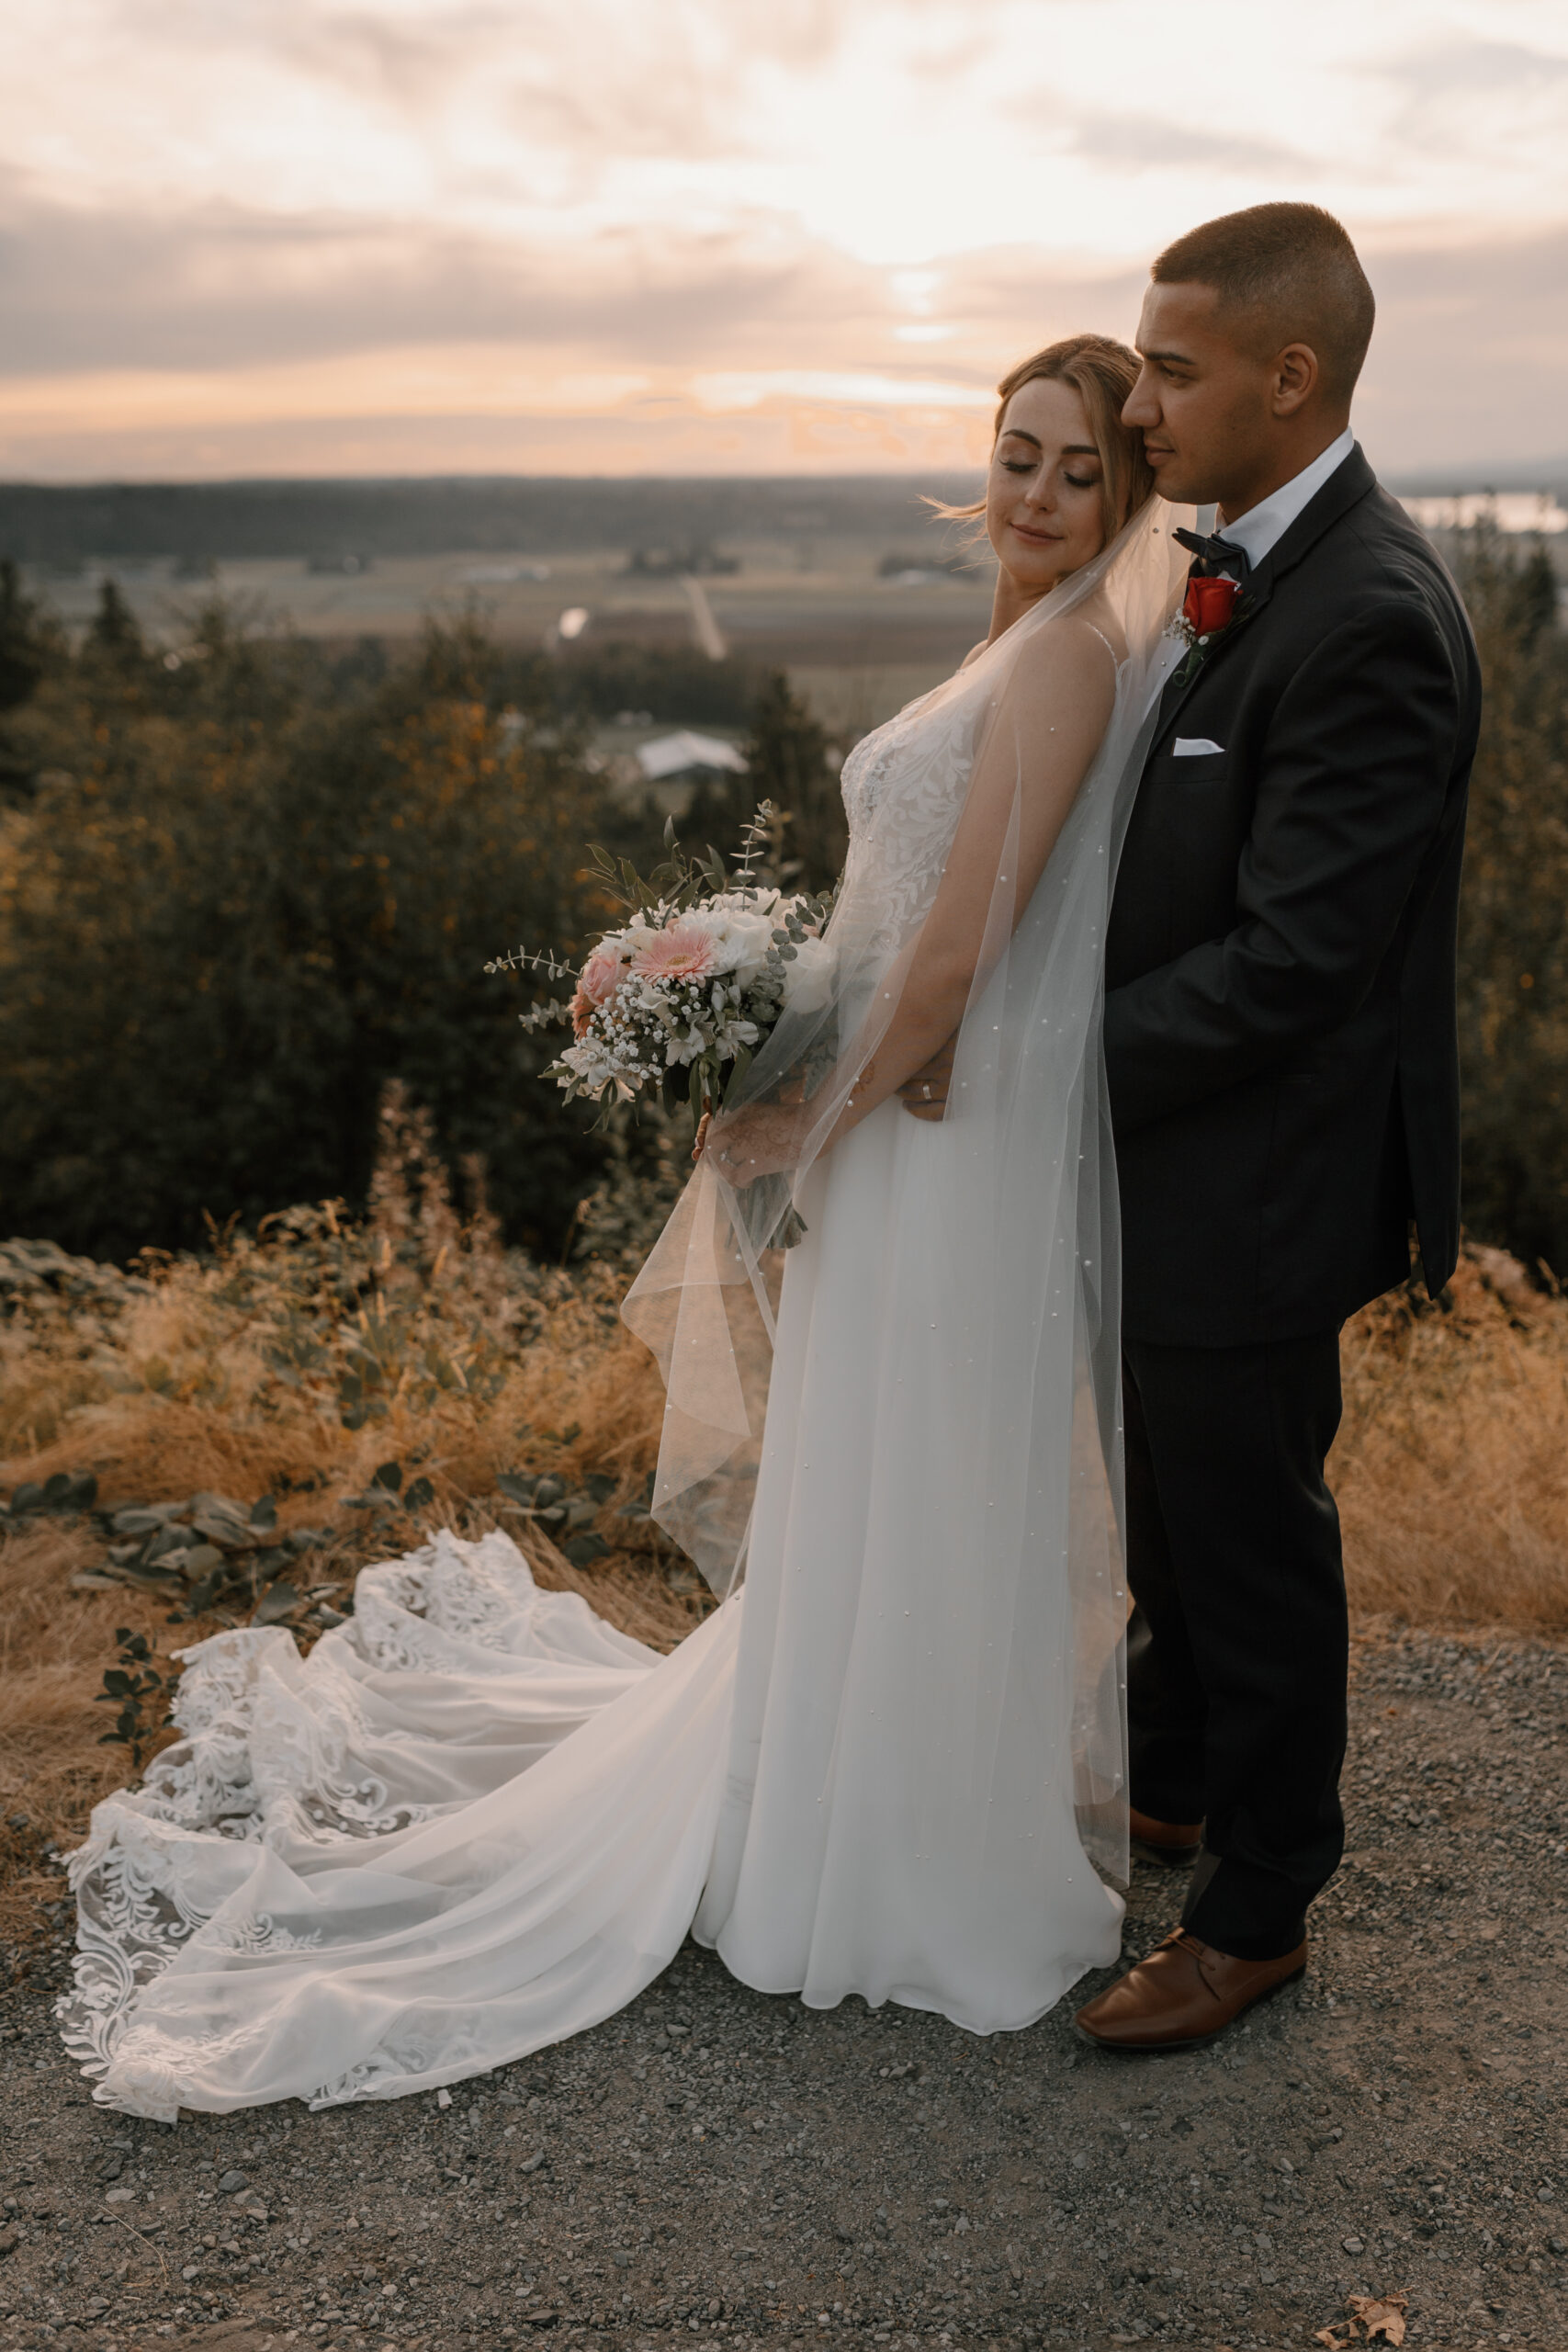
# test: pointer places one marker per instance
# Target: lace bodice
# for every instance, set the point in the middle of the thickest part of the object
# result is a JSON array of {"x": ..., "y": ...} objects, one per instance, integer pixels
[{"x": 903, "y": 787}]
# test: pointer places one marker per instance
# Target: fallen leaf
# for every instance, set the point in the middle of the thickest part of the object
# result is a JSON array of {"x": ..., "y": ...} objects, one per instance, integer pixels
[
  {"x": 1380, "y": 2315},
  {"x": 1333, "y": 2338}
]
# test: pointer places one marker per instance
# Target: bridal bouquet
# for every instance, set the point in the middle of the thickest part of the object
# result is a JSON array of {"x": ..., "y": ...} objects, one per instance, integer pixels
[{"x": 677, "y": 1000}]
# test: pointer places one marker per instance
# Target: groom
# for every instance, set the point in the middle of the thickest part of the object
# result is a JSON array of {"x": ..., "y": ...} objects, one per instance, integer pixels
[{"x": 1279, "y": 1038}]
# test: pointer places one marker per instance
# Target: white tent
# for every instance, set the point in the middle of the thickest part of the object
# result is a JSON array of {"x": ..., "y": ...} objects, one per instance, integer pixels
[{"x": 672, "y": 755}]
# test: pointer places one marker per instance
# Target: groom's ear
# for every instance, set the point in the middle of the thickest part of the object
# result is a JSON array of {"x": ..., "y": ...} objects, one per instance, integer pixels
[{"x": 1297, "y": 377}]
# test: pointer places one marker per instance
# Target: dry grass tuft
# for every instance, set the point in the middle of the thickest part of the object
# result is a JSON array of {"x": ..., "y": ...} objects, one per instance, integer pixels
[
  {"x": 1451, "y": 1467},
  {"x": 54, "y": 1645},
  {"x": 295, "y": 1364}
]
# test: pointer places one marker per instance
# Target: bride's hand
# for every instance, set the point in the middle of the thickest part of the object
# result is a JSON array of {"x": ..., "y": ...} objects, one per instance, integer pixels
[{"x": 760, "y": 1140}]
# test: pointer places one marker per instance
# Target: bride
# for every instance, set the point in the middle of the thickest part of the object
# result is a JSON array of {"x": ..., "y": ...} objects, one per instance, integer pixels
[{"x": 477, "y": 1819}]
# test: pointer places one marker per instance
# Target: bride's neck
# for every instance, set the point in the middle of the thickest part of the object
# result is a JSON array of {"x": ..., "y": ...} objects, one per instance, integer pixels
[{"x": 1012, "y": 599}]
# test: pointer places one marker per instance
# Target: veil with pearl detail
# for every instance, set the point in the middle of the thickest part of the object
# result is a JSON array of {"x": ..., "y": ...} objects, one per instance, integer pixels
[{"x": 1021, "y": 1287}]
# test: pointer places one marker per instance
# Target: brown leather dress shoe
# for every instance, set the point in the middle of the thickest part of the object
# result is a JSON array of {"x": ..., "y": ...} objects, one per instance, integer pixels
[
  {"x": 1172, "y": 1844},
  {"x": 1183, "y": 1992}
]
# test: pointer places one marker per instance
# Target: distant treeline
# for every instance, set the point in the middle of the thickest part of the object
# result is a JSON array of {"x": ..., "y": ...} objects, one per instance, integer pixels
[
  {"x": 235, "y": 520},
  {"x": 214, "y": 521}
]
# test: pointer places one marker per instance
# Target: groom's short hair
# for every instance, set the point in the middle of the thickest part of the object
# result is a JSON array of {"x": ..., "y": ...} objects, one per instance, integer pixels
[{"x": 1294, "y": 267}]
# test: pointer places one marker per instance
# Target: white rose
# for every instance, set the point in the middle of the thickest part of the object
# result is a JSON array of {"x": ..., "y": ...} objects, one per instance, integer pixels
[
  {"x": 741, "y": 935},
  {"x": 808, "y": 976},
  {"x": 755, "y": 902}
]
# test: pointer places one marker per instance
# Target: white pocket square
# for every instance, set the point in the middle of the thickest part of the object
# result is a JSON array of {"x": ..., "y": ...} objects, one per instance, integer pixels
[{"x": 1193, "y": 747}]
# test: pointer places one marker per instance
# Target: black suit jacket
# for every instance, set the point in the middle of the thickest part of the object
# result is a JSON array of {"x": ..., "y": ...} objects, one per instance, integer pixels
[{"x": 1280, "y": 1021}]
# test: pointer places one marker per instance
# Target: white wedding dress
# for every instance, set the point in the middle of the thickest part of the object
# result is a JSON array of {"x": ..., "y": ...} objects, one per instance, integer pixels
[{"x": 477, "y": 1819}]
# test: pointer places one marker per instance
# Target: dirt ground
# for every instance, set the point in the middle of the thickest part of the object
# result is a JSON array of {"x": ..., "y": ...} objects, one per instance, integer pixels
[{"x": 741, "y": 2172}]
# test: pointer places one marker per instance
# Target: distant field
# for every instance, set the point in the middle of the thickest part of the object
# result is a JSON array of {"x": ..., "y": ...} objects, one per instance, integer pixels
[
  {"x": 818, "y": 591},
  {"x": 858, "y": 642}
]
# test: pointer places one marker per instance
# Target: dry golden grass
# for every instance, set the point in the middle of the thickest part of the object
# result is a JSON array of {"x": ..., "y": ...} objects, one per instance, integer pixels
[
  {"x": 1451, "y": 1465},
  {"x": 187, "y": 1379},
  {"x": 230, "y": 1373},
  {"x": 54, "y": 1645}
]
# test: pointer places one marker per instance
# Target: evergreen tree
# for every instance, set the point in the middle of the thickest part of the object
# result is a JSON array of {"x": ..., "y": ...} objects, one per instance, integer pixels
[
  {"x": 31, "y": 644},
  {"x": 26, "y": 639},
  {"x": 1534, "y": 596},
  {"x": 113, "y": 635},
  {"x": 787, "y": 762},
  {"x": 1513, "y": 968}
]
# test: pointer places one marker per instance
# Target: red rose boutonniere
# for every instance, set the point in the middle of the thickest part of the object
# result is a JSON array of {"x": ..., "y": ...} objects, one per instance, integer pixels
[
  {"x": 1209, "y": 607},
  {"x": 1210, "y": 603}
]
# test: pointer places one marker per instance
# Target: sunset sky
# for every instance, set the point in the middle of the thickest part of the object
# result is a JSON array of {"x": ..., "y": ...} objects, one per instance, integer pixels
[{"x": 604, "y": 236}]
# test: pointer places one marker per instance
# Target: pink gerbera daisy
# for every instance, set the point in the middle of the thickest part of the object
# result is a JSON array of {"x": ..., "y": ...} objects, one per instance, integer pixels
[{"x": 682, "y": 951}]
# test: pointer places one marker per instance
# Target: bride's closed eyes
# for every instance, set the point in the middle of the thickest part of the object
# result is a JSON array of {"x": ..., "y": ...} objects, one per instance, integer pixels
[{"x": 1028, "y": 462}]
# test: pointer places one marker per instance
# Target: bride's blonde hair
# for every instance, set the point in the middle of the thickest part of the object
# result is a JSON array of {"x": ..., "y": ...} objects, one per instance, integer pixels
[{"x": 1102, "y": 373}]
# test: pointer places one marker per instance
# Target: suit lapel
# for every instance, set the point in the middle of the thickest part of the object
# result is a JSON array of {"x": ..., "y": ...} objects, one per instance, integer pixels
[{"x": 1345, "y": 488}]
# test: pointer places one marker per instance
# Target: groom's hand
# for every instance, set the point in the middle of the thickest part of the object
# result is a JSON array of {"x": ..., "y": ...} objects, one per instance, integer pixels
[{"x": 925, "y": 1095}]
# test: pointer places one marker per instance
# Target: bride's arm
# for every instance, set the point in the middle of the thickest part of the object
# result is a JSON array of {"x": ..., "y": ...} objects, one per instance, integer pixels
[{"x": 1036, "y": 753}]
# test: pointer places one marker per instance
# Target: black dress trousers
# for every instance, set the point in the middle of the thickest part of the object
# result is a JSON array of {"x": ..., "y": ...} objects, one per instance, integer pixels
[{"x": 1238, "y": 1645}]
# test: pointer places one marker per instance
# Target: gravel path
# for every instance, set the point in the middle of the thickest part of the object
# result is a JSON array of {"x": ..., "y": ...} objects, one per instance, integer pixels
[{"x": 742, "y": 2172}]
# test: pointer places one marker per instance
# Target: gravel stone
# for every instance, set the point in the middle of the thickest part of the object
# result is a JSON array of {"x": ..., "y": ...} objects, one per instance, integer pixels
[{"x": 737, "y": 2173}]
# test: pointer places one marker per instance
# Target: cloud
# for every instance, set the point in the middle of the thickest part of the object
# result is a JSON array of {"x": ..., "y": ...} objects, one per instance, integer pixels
[
  {"x": 1478, "y": 98},
  {"x": 717, "y": 365},
  {"x": 1469, "y": 67},
  {"x": 1143, "y": 142},
  {"x": 231, "y": 288},
  {"x": 1470, "y": 354},
  {"x": 436, "y": 215}
]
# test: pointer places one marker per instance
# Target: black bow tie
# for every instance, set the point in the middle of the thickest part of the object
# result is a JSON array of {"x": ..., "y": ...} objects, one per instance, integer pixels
[{"x": 1215, "y": 555}]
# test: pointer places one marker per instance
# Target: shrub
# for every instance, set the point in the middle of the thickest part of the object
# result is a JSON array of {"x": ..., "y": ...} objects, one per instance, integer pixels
[
  {"x": 1513, "y": 975},
  {"x": 243, "y": 906}
]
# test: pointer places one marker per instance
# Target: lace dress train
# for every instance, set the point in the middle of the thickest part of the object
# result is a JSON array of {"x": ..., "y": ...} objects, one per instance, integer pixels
[{"x": 477, "y": 1819}]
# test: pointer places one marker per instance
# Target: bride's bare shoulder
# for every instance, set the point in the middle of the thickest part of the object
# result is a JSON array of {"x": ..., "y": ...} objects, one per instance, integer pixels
[
  {"x": 1093, "y": 624},
  {"x": 1077, "y": 654}
]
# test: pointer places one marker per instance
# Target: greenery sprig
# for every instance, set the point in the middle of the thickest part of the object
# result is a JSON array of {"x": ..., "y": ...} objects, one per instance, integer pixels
[{"x": 129, "y": 1687}]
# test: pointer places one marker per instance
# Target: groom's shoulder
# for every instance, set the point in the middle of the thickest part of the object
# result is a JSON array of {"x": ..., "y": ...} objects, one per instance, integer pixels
[{"x": 1378, "y": 553}]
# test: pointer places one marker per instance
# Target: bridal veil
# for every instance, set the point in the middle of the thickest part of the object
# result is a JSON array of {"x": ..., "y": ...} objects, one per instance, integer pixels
[{"x": 1021, "y": 1300}]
